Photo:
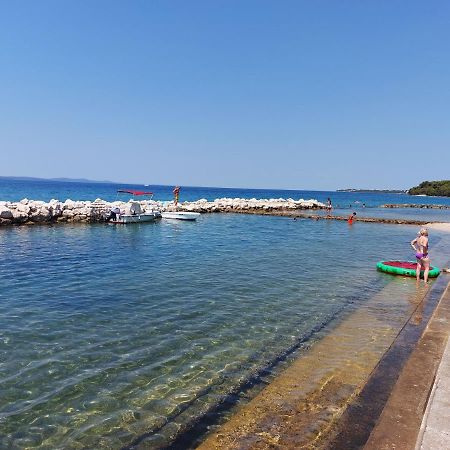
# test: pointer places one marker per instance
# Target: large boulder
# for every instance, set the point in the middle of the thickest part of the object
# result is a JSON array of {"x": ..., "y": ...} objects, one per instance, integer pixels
[
  {"x": 23, "y": 208},
  {"x": 19, "y": 216},
  {"x": 83, "y": 211},
  {"x": 42, "y": 214},
  {"x": 68, "y": 213},
  {"x": 5, "y": 213},
  {"x": 56, "y": 209},
  {"x": 68, "y": 204}
]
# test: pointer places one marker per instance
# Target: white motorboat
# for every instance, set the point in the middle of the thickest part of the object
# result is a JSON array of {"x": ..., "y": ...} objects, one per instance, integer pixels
[
  {"x": 180, "y": 215},
  {"x": 133, "y": 212},
  {"x": 134, "y": 218}
]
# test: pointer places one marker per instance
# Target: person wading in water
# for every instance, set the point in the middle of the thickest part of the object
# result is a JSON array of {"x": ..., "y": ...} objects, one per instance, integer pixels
[
  {"x": 420, "y": 246},
  {"x": 350, "y": 218}
]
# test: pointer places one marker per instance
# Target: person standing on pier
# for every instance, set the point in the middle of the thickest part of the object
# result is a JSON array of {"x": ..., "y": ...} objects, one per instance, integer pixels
[
  {"x": 329, "y": 206},
  {"x": 176, "y": 194}
]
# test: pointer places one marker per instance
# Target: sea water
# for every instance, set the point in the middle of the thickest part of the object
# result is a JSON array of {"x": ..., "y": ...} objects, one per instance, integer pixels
[{"x": 112, "y": 332}]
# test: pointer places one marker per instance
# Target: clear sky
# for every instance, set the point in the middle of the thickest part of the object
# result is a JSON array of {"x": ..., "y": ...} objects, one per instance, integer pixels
[{"x": 281, "y": 94}]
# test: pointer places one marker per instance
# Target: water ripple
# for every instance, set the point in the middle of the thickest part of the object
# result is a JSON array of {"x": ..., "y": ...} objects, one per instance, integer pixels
[{"x": 111, "y": 333}]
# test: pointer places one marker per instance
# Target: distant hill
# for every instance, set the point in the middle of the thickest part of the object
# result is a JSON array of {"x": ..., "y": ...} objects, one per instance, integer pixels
[
  {"x": 384, "y": 191},
  {"x": 432, "y": 188},
  {"x": 80, "y": 180},
  {"x": 64, "y": 180}
]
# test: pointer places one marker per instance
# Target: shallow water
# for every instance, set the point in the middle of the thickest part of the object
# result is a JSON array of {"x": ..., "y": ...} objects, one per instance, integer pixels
[
  {"x": 429, "y": 215},
  {"x": 111, "y": 332},
  {"x": 303, "y": 405}
]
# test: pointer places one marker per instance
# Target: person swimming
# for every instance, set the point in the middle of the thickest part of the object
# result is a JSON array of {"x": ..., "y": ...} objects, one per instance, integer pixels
[{"x": 423, "y": 260}]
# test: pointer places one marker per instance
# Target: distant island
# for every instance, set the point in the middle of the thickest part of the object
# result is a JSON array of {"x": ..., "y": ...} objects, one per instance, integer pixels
[
  {"x": 65, "y": 180},
  {"x": 432, "y": 188},
  {"x": 384, "y": 191}
]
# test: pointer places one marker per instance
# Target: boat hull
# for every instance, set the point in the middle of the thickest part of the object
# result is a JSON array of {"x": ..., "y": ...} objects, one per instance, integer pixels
[
  {"x": 182, "y": 215},
  {"x": 135, "y": 218}
]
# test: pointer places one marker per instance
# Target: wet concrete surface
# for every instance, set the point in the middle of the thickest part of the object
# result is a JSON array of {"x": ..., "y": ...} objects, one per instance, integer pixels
[
  {"x": 400, "y": 422},
  {"x": 388, "y": 411}
]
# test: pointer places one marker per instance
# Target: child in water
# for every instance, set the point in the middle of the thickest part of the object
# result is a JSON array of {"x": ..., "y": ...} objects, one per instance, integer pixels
[
  {"x": 420, "y": 246},
  {"x": 350, "y": 218}
]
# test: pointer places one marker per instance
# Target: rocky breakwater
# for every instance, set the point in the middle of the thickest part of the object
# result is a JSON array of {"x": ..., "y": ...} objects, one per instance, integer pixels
[
  {"x": 34, "y": 212},
  {"x": 413, "y": 205},
  {"x": 249, "y": 206},
  {"x": 38, "y": 212}
]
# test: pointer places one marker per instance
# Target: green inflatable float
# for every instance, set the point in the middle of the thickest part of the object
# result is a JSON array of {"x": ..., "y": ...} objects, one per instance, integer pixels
[{"x": 407, "y": 268}]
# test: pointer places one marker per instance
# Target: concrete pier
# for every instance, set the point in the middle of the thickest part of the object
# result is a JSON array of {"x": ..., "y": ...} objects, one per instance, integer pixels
[{"x": 417, "y": 413}]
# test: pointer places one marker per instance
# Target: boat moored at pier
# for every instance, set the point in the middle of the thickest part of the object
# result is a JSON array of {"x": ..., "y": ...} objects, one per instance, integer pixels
[
  {"x": 180, "y": 215},
  {"x": 133, "y": 212}
]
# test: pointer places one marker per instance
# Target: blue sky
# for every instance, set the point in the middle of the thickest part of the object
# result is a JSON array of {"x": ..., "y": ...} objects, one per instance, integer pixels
[{"x": 280, "y": 94}]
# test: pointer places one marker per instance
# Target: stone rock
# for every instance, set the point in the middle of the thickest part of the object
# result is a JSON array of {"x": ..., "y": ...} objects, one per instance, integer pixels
[
  {"x": 42, "y": 214},
  {"x": 5, "y": 213},
  {"x": 19, "y": 216},
  {"x": 57, "y": 209},
  {"x": 67, "y": 213},
  {"x": 23, "y": 208}
]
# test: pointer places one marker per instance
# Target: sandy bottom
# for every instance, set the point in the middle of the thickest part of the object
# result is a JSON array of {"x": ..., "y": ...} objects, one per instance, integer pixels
[{"x": 302, "y": 407}]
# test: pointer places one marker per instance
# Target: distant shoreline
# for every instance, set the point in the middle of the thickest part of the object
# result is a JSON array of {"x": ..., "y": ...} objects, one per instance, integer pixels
[
  {"x": 375, "y": 191},
  {"x": 85, "y": 180},
  {"x": 62, "y": 180}
]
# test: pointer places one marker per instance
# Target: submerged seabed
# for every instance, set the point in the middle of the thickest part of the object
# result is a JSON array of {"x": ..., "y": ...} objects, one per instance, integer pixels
[{"x": 112, "y": 334}]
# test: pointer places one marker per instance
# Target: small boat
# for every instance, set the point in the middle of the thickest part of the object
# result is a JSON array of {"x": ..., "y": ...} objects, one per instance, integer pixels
[
  {"x": 133, "y": 212},
  {"x": 134, "y": 218},
  {"x": 180, "y": 215}
]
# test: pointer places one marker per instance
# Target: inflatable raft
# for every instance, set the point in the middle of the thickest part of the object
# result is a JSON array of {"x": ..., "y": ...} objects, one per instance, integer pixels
[{"x": 407, "y": 268}]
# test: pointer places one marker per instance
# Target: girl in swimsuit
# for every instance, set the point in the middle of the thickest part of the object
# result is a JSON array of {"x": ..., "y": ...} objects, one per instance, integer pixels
[{"x": 423, "y": 260}]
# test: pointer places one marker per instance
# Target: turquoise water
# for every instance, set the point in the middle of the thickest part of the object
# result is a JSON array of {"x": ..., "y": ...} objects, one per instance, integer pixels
[
  {"x": 110, "y": 333},
  {"x": 429, "y": 215}
]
